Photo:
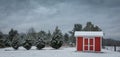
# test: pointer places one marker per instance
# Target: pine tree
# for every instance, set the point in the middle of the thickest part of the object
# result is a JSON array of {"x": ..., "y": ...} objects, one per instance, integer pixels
[
  {"x": 2, "y": 45},
  {"x": 7, "y": 41},
  {"x": 77, "y": 27},
  {"x": 48, "y": 36},
  {"x": 89, "y": 27},
  {"x": 42, "y": 34},
  {"x": 96, "y": 28},
  {"x": 1, "y": 34},
  {"x": 40, "y": 44},
  {"x": 66, "y": 38},
  {"x": 15, "y": 42},
  {"x": 14, "y": 39},
  {"x": 31, "y": 35},
  {"x": 27, "y": 44},
  {"x": 12, "y": 33},
  {"x": 56, "y": 41}
]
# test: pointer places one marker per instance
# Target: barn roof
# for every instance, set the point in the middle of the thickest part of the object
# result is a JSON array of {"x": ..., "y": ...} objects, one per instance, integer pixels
[{"x": 88, "y": 33}]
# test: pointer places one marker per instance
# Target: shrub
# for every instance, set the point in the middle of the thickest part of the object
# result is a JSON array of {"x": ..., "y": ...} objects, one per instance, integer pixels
[
  {"x": 27, "y": 45},
  {"x": 15, "y": 45},
  {"x": 40, "y": 44}
]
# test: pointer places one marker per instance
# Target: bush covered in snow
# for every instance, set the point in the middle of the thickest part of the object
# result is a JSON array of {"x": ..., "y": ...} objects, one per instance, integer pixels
[
  {"x": 40, "y": 44},
  {"x": 56, "y": 44},
  {"x": 57, "y": 38},
  {"x": 15, "y": 45},
  {"x": 27, "y": 44},
  {"x": 15, "y": 40}
]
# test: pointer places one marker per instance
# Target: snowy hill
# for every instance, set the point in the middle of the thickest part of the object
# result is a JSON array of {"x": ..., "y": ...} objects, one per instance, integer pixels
[{"x": 50, "y": 52}]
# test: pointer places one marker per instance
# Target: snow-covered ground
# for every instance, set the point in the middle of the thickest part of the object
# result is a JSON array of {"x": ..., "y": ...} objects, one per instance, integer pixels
[
  {"x": 112, "y": 48},
  {"x": 50, "y": 52}
]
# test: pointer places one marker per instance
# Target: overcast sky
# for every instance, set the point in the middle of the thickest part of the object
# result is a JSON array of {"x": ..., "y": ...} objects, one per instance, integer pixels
[{"x": 47, "y": 14}]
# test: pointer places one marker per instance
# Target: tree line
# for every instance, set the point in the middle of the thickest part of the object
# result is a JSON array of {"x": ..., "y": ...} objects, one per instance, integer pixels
[{"x": 54, "y": 39}]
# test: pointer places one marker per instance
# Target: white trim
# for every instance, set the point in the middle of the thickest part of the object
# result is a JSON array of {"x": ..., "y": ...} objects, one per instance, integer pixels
[
  {"x": 91, "y": 45},
  {"x": 83, "y": 44},
  {"x": 94, "y": 44},
  {"x": 88, "y": 44}
]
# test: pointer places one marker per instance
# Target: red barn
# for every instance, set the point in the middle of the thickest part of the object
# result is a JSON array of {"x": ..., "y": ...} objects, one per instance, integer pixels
[{"x": 89, "y": 40}]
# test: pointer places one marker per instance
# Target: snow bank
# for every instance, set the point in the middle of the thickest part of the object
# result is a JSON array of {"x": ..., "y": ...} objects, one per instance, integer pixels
[{"x": 50, "y": 52}]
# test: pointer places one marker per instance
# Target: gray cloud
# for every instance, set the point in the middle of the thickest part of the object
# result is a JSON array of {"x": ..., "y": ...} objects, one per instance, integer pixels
[{"x": 47, "y": 14}]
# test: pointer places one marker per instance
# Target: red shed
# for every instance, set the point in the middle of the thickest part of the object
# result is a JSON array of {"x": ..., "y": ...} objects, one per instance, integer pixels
[{"x": 89, "y": 40}]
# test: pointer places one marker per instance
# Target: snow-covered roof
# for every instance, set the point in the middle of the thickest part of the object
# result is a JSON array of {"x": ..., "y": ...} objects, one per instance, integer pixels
[{"x": 88, "y": 33}]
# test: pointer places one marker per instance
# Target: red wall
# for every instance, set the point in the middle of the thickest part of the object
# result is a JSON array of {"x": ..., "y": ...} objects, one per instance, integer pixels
[
  {"x": 97, "y": 44},
  {"x": 80, "y": 44}
]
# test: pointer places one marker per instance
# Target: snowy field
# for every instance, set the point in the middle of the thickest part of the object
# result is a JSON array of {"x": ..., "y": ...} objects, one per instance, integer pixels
[
  {"x": 112, "y": 48},
  {"x": 50, "y": 52}
]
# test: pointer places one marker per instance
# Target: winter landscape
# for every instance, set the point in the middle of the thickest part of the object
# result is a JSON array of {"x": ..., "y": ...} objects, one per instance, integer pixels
[
  {"x": 59, "y": 28},
  {"x": 50, "y": 52}
]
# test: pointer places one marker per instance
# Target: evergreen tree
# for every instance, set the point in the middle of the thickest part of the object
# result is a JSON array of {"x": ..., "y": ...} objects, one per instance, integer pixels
[
  {"x": 96, "y": 28},
  {"x": 89, "y": 27},
  {"x": 12, "y": 33},
  {"x": 57, "y": 40},
  {"x": 43, "y": 35},
  {"x": 66, "y": 38},
  {"x": 27, "y": 44},
  {"x": 2, "y": 45},
  {"x": 40, "y": 44},
  {"x": 31, "y": 35},
  {"x": 14, "y": 39},
  {"x": 6, "y": 41},
  {"x": 77, "y": 27},
  {"x": 15, "y": 42},
  {"x": 49, "y": 37},
  {"x": 22, "y": 38},
  {"x": 1, "y": 35}
]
